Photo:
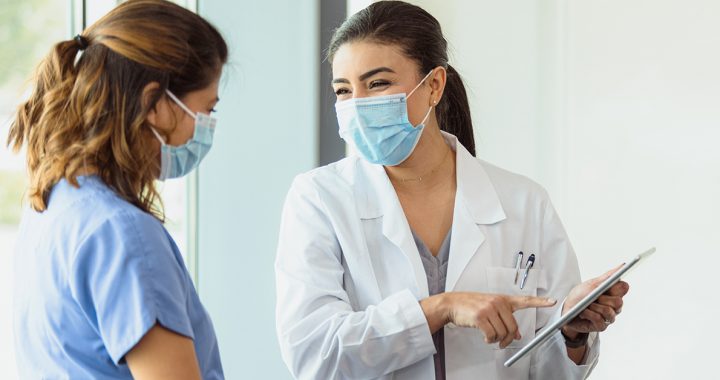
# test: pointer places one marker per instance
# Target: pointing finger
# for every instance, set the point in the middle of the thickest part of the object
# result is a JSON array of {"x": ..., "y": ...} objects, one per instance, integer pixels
[{"x": 524, "y": 302}]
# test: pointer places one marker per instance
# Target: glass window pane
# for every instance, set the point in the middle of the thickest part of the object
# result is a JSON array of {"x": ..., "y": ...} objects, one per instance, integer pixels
[
  {"x": 27, "y": 31},
  {"x": 174, "y": 196}
]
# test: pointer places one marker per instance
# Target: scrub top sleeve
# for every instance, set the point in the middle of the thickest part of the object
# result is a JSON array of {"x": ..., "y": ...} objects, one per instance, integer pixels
[{"x": 126, "y": 277}]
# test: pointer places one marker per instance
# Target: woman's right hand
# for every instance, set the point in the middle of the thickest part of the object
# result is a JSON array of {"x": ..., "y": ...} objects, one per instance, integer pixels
[{"x": 491, "y": 313}]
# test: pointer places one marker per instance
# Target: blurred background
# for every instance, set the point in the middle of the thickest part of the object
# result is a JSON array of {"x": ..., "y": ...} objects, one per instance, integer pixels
[{"x": 613, "y": 106}]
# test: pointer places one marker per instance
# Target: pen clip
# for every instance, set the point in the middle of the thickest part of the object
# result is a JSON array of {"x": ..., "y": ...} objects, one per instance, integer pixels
[
  {"x": 528, "y": 265},
  {"x": 530, "y": 261}
]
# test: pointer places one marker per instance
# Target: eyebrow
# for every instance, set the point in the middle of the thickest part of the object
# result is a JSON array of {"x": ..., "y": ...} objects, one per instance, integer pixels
[{"x": 366, "y": 75}]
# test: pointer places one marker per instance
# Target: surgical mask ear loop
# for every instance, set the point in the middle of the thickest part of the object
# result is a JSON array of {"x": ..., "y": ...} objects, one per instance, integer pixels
[
  {"x": 162, "y": 140},
  {"x": 426, "y": 116},
  {"x": 413, "y": 90},
  {"x": 418, "y": 85},
  {"x": 181, "y": 104}
]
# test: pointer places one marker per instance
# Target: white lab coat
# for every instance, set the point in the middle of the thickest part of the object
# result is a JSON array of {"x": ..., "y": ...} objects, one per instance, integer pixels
[{"x": 349, "y": 276}]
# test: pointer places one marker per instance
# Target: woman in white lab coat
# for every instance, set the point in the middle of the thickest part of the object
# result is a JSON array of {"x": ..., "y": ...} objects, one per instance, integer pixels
[{"x": 400, "y": 262}]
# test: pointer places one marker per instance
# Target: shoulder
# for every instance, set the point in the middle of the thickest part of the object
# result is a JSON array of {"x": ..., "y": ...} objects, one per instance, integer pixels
[
  {"x": 513, "y": 188},
  {"x": 91, "y": 199},
  {"x": 96, "y": 215},
  {"x": 510, "y": 181},
  {"x": 125, "y": 245},
  {"x": 328, "y": 179}
]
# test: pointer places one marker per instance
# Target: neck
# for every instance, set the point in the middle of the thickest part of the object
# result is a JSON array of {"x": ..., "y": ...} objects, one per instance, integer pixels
[{"x": 432, "y": 164}]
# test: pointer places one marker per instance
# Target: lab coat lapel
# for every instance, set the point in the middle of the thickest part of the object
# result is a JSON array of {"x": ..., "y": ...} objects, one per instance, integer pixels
[
  {"x": 466, "y": 239},
  {"x": 347, "y": 221},
  {"x": 382, "y": 200},
  {"x": 397, "y": 229},
  {"x": 476, "y": 204}
]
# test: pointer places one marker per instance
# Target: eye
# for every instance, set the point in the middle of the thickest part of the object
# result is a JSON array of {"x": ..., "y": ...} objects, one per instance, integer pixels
[
  {"x": 341, "y": 91},
  {"x": 378, "y": 83}
]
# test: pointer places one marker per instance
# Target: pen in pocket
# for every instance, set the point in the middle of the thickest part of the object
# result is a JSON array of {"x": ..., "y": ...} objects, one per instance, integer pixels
[
  {"x": 517, "y": 265},
  {"x": 528, "y": 266}
]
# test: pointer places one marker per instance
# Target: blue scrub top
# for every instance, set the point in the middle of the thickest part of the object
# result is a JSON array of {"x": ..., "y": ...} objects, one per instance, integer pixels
[{"x": 93, "y": 274}]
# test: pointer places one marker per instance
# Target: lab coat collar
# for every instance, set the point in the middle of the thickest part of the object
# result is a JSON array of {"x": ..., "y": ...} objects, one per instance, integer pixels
[
  {"x": 476, "y": 203},
  {"x": 376, "y": 195},
  {"x": 377, "y": 199},
  {"x": 474, "y": 185}
]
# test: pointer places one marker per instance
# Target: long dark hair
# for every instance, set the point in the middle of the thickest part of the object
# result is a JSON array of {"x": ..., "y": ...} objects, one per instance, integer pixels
[
  {"x": 420, "y": 37},
  {"x": 90, "y": 111}
]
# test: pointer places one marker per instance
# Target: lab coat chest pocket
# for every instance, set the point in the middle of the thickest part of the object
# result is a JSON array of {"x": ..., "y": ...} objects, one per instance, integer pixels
[{"x": 501, "y": 280}]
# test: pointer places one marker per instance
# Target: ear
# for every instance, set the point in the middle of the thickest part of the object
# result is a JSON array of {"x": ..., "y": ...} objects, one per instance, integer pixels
[
  {"x": 437, "y": 81},
  {"x": 147, "y": 97}
]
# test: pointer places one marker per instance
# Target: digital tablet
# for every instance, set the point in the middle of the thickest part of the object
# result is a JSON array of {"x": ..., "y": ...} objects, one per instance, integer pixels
[{"x": 579, "y": 307}]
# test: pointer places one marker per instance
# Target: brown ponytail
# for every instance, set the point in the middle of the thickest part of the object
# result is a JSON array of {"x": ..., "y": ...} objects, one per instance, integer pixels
[
  {"x": 420, "y": 37},
  {"x": 89, "y": 113},
  {"x": 453, "y": 112},
  {"x": 55, "y": 78}
]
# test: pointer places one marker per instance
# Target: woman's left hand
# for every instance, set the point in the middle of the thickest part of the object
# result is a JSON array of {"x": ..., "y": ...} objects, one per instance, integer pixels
[{"x": 601, "y": 313}]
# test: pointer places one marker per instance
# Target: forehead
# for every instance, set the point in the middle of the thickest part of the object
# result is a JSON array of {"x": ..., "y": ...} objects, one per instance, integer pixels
[{"x": 353, "y": 59}]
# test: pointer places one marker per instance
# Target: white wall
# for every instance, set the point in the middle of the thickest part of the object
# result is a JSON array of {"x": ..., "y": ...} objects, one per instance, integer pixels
[
  {"x": 614, "y": 106},
  {"x": 643, "y": 118}
]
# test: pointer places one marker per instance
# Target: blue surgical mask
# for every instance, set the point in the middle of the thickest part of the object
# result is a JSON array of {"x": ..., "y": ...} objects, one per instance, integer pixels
[
  {"x": 378, "y": 127},
  {"x": 178, "y": 161}
]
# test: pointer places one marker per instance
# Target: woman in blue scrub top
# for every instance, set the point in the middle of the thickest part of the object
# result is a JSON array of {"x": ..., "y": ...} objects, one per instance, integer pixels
[{"x": 101, "y": 288}]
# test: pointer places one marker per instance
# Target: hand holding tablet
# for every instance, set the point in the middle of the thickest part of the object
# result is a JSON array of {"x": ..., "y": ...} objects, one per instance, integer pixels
[
  {"x": 593, "y": 312},
  {"x": 601, "y": 313}
]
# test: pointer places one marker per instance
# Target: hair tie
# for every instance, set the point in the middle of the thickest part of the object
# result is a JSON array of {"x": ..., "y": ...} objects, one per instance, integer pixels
[{"x": 81, "y": 41}]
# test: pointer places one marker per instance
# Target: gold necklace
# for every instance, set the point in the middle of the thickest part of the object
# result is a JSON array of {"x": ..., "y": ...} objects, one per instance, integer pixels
[{"x": 431, "y": 172}]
